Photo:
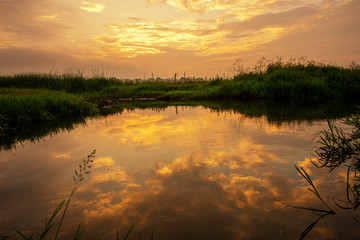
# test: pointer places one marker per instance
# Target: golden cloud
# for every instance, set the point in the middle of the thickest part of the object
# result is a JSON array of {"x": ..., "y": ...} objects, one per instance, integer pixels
[
  {"x": 51, "y": 16},
  {"x": 198, "y": 5},
  {"x": 104, "y": 162},
  {"x": 247, "y": 8},
  {"x": 114, "y": 174},
  {"x": 150, "y": 130},
  {"x": 63, "y": 155},
  {"x": 92, "y": 7},
  {"x": 237, "y": 26},
  {"x": 189, "y": 35}
]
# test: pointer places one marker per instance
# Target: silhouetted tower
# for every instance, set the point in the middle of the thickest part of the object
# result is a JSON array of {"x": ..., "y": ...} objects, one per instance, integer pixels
[{"x": 175, "y": 76}]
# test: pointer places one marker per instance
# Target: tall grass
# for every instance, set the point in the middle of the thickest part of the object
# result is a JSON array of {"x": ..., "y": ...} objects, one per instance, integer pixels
[
  {"x": 26, "y": 106},
  {"x": 273, "y": 79},
  {"x": 25, "y": 112},
  {"x": 80, "y": 174},
  {"x": 69, "y": 82},
  {"x": 337, "y": 148},
  {"x": 340, "y": 148},
  {"x": 44, "y": 106},
  {"x": 84, "y": 169},
  {"x": 31, "y": 99}
]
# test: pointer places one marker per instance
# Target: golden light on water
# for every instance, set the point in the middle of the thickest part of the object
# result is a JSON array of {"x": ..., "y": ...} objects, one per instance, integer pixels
[{"x": 186, "y": 168}]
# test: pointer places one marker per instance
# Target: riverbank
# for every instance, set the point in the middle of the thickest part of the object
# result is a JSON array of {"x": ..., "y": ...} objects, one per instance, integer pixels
[
  {"x": 277, "y": 80},
  {"x": 30, "y": 100}
]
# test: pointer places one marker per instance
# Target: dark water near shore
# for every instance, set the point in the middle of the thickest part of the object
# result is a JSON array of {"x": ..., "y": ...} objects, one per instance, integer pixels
[{"x": 184, "y": 172}]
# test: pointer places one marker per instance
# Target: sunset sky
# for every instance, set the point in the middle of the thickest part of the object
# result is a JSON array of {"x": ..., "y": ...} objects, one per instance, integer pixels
[{"x": 135, "y": 38}]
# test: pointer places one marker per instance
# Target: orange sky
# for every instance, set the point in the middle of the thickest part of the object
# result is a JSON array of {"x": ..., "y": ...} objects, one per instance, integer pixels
[{"x": 135, "y": 38}]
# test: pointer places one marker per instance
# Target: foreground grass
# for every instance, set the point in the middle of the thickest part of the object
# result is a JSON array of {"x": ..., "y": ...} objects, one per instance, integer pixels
[
  {"x": 337, "y": 148},
  {"x": 61, "y": 209}
]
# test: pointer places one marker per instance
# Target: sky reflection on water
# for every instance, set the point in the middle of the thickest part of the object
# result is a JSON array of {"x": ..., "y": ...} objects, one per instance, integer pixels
[{"x": 187, "y": 173}]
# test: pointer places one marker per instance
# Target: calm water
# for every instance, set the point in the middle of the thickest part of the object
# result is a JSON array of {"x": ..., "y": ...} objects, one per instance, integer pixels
[{"x": 184, "y": 172}]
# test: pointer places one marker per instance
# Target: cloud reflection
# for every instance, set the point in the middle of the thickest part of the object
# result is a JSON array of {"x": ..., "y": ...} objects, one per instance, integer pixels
[
  {"x": 219, "y": 193},
  {"x": 233, "y": 176},
  {"x": 193, "y": 197}
]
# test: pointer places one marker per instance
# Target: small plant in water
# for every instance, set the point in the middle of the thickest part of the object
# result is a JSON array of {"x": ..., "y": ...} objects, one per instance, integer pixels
[
  {"x": 320, "y": 212},
  {"x": 337, "y": 148},
  {"x": 84, "y": 169}
]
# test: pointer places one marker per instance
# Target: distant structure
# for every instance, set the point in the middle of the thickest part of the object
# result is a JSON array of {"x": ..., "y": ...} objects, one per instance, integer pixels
[
  {"x": 152, "y": 77},
  {"x": 176, "y": 78}
]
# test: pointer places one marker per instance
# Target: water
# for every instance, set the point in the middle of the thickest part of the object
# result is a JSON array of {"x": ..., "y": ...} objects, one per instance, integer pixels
[{"x": 182, "y": 172}]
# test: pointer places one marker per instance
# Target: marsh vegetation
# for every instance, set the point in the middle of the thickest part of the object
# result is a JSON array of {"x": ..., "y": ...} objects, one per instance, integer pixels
[
  {"x": 31, "y": 99},
  {"x": 281, "y": 93},
  {"x": 337, "y": 148}
]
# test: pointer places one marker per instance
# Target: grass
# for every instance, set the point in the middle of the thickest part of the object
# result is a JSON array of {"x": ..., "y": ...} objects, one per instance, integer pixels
[
  {"x": 337, "y": 148},
  {"x": 31, "y": 100},
  {"x": 276, "y": 79},
  {"x": 84, "y": 169},
  {"x": 276, "y": 112},
  {"x": 80, "y": 174},
  {"x": 24, "y": 112}
]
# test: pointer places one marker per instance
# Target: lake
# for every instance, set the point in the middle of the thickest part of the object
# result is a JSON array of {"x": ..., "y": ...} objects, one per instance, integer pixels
[{"x": 182, "y": 172}]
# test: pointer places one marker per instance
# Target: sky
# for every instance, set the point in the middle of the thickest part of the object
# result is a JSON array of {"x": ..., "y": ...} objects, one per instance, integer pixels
[{"x": 144, "y": 38}]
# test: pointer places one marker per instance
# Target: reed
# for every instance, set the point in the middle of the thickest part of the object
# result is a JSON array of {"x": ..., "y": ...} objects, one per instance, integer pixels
[
  {"x": 80, "y": 174},
  {"x": 272, "y": 79},
  {"x": 21, "y": 110},
  {"x": 83, "y": 171},
  {"x": 337, "y": 148}
]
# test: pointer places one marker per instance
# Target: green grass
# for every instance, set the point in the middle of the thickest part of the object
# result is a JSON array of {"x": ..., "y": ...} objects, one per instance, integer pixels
[
  {"x": 20, "y": 108},
  {"x": 35, "y": 99},
  {"x": 32, "y": 113},
  {"x": 275, "y": 80}
]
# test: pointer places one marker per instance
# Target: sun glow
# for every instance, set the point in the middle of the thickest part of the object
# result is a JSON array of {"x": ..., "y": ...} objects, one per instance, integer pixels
[{"x": 203, "y": 36}]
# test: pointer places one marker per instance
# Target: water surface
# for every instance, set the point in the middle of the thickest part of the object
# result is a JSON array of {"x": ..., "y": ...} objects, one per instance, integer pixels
[{"x": 182, "y": 172}]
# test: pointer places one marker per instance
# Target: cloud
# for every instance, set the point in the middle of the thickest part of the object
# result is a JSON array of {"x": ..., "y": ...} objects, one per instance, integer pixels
[
  {"x": 331, "y": 35},
  {"x": 198, "y": 5},
  {"x": 208, "y": 35},
  {"x": 34, "y": 22},
  {"x": 92, "y": 7},
  {"x": 181, "y": 192},
  {"x": 244, "y": 9},
  {"x": 25, "y": 57},
  {"x": 226, "y": 32},
  {"x": 36, "y": 60},
  {"x": 281, "y": 19},
  {"x": 202, "y": 37}
]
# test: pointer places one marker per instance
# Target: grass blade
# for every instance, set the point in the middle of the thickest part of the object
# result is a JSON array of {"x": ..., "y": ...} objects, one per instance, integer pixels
[
  {"x": 127, "y": 235},
  {"x": 311, "y": 226},
  {"x": 78, "y": 233},
  {"x": 22, "y": 235}
]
